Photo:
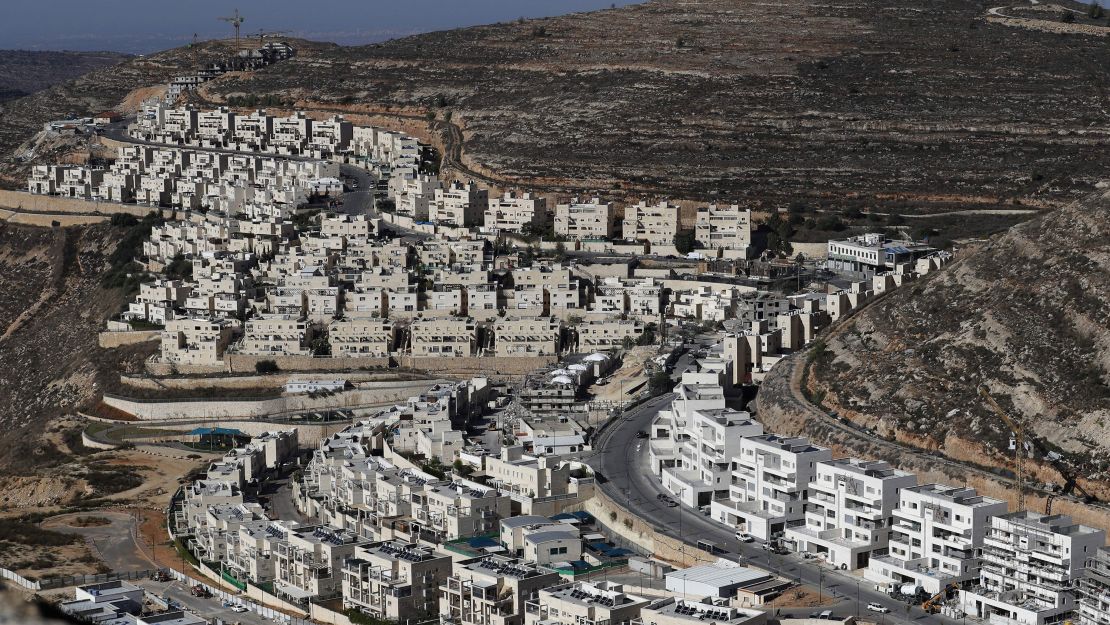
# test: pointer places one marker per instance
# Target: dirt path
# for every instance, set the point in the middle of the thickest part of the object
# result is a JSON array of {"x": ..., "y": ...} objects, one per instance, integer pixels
[{"x": 117, "y": 543}]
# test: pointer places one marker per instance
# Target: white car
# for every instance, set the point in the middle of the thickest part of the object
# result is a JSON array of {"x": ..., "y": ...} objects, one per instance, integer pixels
[
  {"x": 238, "y": 608},
  {"x": 877, "y": 607},
  {"x": 744, "y": 537}
]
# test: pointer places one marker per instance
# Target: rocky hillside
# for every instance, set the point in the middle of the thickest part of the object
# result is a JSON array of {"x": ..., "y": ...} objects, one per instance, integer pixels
[
  {"x": 23, "y": 72},
  {"x": 1028, "y": 315},
  {"x": 50, "y": 314},
  {"x": 891, "y": 105}
]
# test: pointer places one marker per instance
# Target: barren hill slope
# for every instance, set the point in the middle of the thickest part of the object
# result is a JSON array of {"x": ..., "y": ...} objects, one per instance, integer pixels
[
  {"x": 23, "y": 72},
  {"x": 49, "y": 318},
  {"x": 1028, "y": 315},
  {"x": 891, "y": 105}
]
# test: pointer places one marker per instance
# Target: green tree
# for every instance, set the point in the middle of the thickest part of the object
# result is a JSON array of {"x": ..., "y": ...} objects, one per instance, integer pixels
[
  {"x": 684, "y": 242},
  {"x": 1094, "y": 10},
  {"x": 660, "y": 383}
]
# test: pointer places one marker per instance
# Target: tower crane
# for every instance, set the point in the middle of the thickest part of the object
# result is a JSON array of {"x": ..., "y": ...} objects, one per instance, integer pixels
[
  {"x": 1019, "y": 443},
  {"x": 1067, "y": 473},
  {"x": 236, "y": 21}
]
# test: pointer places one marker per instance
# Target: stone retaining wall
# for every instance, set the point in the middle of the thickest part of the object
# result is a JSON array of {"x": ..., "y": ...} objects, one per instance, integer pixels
[
  {"x": 47, "y": 220},
  {"x": 108, "y": 340},
  {"x": 23, "y": 201}
]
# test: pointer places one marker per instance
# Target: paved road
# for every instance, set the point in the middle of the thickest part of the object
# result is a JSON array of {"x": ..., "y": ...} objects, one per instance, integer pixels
[
  {"x": 281, "y": 504},
  {"x": 210, "y": 609},
  {"x": 622, "y": 461}
]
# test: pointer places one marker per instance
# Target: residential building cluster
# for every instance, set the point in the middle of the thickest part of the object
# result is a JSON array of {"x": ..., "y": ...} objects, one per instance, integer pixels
[{"x": 928, "y": 539}]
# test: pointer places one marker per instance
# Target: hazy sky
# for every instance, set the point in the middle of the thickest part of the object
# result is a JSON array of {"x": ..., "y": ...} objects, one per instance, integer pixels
[{"x": 146, "y": 26}]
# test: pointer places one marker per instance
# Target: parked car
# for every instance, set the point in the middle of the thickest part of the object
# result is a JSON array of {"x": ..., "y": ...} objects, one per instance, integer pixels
[
  {"x": 745, "y": 537},
  {"x": 877, "y": 607},
  {"x": 238, "y": 608}
]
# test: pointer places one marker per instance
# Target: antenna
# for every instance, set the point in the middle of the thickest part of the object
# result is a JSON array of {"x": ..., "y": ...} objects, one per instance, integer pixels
[{"x": 236, "y": 21}]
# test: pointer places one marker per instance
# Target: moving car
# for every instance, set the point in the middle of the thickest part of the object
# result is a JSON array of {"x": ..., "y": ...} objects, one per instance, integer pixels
[
  {"x": 877, "y": 607},
  {"x": 744, "y": 537},
  {"x": 238, "y": 608}
]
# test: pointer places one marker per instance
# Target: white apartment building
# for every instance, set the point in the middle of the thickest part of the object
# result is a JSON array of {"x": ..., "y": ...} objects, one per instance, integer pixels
[
  {"x": 656, "y": 224},
  {"x": 514, "y": 472},
  {"x": 395, "y": 580},
  {"x": 361, "y": 337},
  {"x": 610, "y": 334},
  {"x": 692, "y": 445},
  {"x": 584, "y": 603},
  {"x": 726, "y": 229},
  {"x": 586, "y": 220},
  {"x": 462, "y": 508},
  {"x": 460, "y": 204},
  {"x": 415, "y": 196},
  {"x": 770, "y": 480},
  {"x": 450, "y": 336},
  {"x": 516, "y": 336},
  {"x": 491, "y": 590},
  {"x": 1030, "y": 565},
  {"x": 278, "y": 335},
  {"x": 1094, "y": 590},
  {"x": 196, "y": 341},
  {"x": 936, "y": 536},
  {"x": 309, "y": 563},
  {"x": 850, "y": 505},
  {"x": 872, "y": 253},
  {"x": 514, "y": 212}
]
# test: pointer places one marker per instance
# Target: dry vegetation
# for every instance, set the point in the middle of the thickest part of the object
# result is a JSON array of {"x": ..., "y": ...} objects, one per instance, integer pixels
[
  {"x": 859, "y": 104},
  {"x": 23, "y": 72}
]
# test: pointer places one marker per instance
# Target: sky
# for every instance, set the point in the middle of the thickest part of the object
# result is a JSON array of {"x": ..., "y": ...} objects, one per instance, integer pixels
[{"x": 142, "y": 26}]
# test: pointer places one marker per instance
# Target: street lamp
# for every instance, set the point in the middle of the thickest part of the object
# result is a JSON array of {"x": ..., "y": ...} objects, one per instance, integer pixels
[{"x": 857, "y": 598}]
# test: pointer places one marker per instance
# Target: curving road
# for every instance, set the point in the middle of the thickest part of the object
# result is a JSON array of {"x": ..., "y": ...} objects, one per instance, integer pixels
[{"x": 621, "y": 460}]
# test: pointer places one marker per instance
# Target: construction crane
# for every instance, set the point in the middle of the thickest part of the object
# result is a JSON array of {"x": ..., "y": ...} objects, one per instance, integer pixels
[
  {"x": 1067, "y": 473},
  {"x": 1018, "y": 444},
  {"x": 236, "y": 21}
]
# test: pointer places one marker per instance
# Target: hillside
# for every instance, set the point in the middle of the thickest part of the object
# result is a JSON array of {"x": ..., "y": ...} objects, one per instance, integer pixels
[
  {"x": 49, "y": 319},
  {"x": 23, "y": 72},
  {"x": 1028, "y": 315},
  {"x": 889, "y": 106}
]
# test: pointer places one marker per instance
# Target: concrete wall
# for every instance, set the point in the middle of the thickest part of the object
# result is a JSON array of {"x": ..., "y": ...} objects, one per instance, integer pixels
[
  {"x": 492, "y": 366},
  {"x": 632, "y": 528},
  {"x": 811, "y": 250},
  {"x": 382, "y": 394},
  {"x": 93, "y": 444},
  {"x": 108, "y": 340},
  {"x": 23, "y": 201},
  {"x": 249, "y": 381}
]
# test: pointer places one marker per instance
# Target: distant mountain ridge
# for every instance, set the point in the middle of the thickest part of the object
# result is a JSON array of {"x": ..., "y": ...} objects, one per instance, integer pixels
[{"x": 23, "y": 72}]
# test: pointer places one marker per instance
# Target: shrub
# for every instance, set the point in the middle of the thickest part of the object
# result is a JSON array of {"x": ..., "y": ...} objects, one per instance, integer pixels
[{"x": 266, "y": 367}]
